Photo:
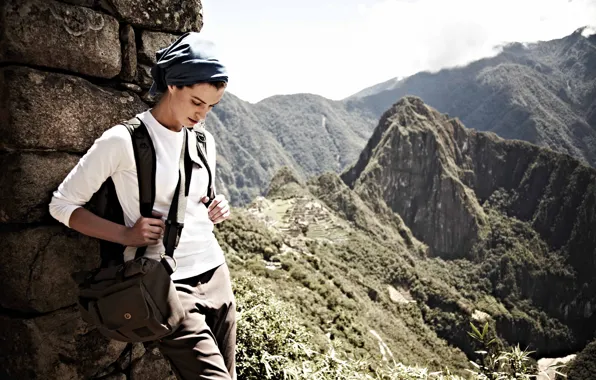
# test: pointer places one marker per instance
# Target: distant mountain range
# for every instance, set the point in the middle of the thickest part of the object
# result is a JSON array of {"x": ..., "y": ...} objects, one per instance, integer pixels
[
  {"x": 308, "y": 133},
  {"x": 544, "y": 93},
  {"x": 392, "y": 197}
]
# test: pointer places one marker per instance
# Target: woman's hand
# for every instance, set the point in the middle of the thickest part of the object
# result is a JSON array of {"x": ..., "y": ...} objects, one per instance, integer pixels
[
  {"x": 146, "y": 231},
  {"x": 219, "y": 209}
]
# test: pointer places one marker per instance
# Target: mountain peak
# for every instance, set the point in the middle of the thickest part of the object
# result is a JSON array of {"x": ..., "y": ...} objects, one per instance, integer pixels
[
  {"x": 285, "y": 183},
  {"x": 414, "y": 113},
  {"x": 438, "y": 175},
  {"x": 414, "y": 163}
]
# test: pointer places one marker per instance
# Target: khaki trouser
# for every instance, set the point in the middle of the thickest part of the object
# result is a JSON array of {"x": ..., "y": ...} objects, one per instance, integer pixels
[{"x": 204, "y": 346}]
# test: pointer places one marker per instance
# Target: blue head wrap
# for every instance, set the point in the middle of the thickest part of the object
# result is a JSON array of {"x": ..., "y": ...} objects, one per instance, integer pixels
[{"x": 189, "y": 60}]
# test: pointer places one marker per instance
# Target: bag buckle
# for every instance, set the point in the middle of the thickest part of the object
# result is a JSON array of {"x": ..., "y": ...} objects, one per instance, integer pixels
[{"x": 166, "y": 257}]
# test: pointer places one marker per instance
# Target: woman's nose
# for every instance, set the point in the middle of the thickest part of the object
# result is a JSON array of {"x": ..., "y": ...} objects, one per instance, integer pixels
[{"x": 202, "y": 112}]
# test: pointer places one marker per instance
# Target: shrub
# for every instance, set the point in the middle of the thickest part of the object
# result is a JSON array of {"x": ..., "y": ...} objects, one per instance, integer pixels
[{"x": 584, "y": 365}]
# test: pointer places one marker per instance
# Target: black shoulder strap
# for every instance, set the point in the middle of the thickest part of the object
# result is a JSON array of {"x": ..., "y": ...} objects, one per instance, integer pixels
[
  {"x": 145, "y": 160},
  {"x": 144, "y": 153},
  {"x": 202, "y": 150},
  {"x": 146, "y": 164},
  {"x": 175, "y": 220}
]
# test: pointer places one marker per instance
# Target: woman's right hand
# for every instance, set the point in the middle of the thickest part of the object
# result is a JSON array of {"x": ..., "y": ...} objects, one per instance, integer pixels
[{"x": 146, "y": 231}]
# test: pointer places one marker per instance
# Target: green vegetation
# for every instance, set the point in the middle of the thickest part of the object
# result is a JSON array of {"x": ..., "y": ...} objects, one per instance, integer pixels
[
  {"x": 273, "y": 344},
  {"x": 334, "y": 298},
  {"x": 584, "y": 365},
  {"x": 365, "y": 293}
]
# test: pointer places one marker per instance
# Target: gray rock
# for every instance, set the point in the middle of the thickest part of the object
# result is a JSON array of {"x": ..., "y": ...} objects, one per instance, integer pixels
[
  {"x": 108, "y": 372},
  {"x": 54, "y": 346},
  {"x": 27, "y": 184},
  {"x": 132, "y": 87},
  {"x": 152, "y": 366},
  {"x": 138, "y": 350},
  {"x": 83, "y": 3},
  {"x": 52, "y": 34},
  {"x": 151, "y": 42},
  {"x": 119, "y": 376},
  {"x": 36, "y": 266},
  {"x": 129, "y": 54},
  {"x": 145, "y": 78},
  {"x": 167, "y": 16},
  {"x": 407, "y": 168},
  {"x": 150, "y": 99},
  {"x": 57, "y": 111}
]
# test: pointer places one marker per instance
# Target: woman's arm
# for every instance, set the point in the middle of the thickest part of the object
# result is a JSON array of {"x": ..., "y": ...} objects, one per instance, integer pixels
[
  {"x": 146, "y": 231},
  {"x": 87, "y": 223},
  {"x": 105, "y": 157}
]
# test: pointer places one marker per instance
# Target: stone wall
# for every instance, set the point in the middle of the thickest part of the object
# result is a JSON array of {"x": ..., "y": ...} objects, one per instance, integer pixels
[{"x": 68, "y": 71}]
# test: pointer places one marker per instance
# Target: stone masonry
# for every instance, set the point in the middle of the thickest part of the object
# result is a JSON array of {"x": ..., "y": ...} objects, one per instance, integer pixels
[{"x": 69, "y": 70}]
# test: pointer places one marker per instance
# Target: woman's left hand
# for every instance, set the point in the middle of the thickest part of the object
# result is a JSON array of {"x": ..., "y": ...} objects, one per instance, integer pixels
[{"x": 219, "y": 209}]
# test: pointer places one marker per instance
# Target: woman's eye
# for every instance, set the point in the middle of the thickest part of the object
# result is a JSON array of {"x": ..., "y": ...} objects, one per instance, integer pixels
[{"x": 196, "y": 104}]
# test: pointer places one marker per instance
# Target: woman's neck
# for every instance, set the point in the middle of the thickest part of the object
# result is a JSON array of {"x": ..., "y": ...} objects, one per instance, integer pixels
[{"x": 163, "y": 114}]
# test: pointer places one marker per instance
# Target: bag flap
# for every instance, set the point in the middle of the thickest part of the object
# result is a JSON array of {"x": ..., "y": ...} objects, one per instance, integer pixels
[{"x": 122, "y": 308}]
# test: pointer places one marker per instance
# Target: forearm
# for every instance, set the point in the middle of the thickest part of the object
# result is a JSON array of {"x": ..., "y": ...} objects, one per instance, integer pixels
[{"x": 87, "y": 223}]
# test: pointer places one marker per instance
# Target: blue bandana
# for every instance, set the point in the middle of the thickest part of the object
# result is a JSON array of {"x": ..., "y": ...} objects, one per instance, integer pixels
[{"x": 189, "y": 60}]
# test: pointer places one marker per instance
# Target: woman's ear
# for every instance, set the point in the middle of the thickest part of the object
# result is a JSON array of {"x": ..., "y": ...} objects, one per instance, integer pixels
[{"x": 171, "y": 89}]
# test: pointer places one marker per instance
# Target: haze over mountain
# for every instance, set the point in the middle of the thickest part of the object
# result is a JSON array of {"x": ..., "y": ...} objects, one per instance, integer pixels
[{"x": 543, "y": 92}]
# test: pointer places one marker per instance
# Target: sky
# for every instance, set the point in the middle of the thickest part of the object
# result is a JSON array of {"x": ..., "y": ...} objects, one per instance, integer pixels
[{"x": 335, "y": 48}]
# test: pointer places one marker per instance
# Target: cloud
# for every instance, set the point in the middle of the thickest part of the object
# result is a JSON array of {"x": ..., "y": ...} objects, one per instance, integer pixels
[
  {"x": 339, "y": 48},
  {"x": 406, "y": 37},
  {"x": 589, "y": 31}
]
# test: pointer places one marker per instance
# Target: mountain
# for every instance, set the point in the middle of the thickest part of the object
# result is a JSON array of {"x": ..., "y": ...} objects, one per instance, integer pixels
[
  {"x": 543, "y": 92},
  {"x": 514, "y": 222},
  {"x": 306, "y": 132}
]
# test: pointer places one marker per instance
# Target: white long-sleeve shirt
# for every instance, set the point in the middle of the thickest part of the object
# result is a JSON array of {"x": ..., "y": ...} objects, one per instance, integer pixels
[{"x": 112, "y": 155}]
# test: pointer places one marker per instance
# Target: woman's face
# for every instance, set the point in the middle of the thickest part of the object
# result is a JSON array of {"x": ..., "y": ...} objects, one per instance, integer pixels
[{"x": 190, "y": 104}]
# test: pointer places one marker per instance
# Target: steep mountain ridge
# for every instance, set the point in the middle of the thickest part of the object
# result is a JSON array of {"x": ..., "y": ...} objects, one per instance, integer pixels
[
  {"x": 453, "y": 187},
  {"x": 544, "y": 93}
]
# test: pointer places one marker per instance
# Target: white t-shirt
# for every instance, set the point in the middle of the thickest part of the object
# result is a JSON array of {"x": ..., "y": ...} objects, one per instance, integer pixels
[{"x": 112, "y": 156}]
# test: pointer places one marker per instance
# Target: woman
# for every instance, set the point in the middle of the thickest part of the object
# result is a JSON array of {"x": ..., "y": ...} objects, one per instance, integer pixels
[{"x": 191, "y": 80}]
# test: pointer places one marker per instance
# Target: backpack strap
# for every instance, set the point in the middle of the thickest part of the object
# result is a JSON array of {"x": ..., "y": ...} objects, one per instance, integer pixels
[
  {"x": 146, "y": 163},
  {"x": 202, "y": 153},
  {"x": 175, "y": 220},
  {"x": 106, "y": 202},
  {"x": 145, "y": 159}
]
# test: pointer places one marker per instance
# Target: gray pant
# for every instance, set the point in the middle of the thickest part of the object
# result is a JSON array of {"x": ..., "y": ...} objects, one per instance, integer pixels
[{"x": 204, "y": 346}]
